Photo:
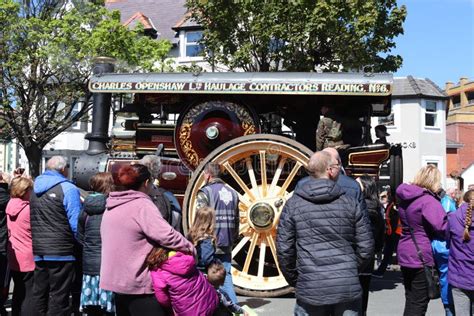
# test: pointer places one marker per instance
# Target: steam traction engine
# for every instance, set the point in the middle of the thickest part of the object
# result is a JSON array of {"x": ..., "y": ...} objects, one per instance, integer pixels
[{"x": 260, "y": 127}]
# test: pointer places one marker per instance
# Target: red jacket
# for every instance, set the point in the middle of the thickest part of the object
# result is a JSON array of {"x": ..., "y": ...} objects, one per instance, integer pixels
[{"x": 392, "y": 220}]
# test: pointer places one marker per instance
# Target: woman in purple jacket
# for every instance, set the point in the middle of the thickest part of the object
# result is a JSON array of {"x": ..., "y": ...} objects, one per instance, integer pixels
[
  {"x": 420, "y": 209},
  {"x": 461, "y": 256},
  {"x": 131, "y": 227}
]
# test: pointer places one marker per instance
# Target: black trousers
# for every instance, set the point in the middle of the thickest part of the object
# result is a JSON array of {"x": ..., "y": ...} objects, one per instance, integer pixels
[
  {"x": 391, "y": 243},
  {"x": 137, "y": 305},
  {"x": 52, "y": 286},
  {"x": 4, "y": 282},
  {"x": 365, "y": 284},
  {"x": 416, "y": 292},
  {"x": 22, "y": 300}
]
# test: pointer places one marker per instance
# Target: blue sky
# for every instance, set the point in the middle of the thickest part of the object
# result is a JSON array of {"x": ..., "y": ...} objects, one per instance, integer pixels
[{"x": 439, "y": 40}]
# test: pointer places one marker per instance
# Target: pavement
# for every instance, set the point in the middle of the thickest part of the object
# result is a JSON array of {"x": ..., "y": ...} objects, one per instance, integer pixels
[{"x": 386, "y": 298}]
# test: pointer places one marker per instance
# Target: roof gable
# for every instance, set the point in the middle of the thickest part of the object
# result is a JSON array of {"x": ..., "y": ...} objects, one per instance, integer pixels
[
  {"x": 140, "y": 18},
  {"x": 163, "y": 14}
]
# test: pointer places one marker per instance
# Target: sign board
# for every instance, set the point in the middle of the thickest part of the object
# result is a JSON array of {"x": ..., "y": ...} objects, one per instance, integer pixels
[{"x": 164, "y": 83}]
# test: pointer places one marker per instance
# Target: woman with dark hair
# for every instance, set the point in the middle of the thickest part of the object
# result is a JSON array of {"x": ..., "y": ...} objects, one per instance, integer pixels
[
  {"x": 374, "y": 209},
  {"x": 461, "y": 256},
  {"x": 131, "y": 227}
]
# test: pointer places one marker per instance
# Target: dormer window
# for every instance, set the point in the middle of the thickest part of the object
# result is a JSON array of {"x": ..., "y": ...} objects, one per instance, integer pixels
[{"x": 193, "y": 48}]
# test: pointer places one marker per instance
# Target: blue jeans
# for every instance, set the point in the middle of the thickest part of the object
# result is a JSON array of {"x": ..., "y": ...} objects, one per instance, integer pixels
[
  {"x": 351, "y": 308},
  {"x": 449, "y": 310},
  {"x": 228, "y": 286}
]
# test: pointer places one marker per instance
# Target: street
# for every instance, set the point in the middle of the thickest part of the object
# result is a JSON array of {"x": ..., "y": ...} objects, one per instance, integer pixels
[{"x": 386, "y": 298}]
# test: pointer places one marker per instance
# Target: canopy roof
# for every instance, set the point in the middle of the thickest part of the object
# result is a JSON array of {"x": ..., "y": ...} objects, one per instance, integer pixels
[{"x": 300, "y": 83}]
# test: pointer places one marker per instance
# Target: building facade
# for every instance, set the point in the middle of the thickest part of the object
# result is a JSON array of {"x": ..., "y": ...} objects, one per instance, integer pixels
[
  {"x": 417, "y": 122},
  {"x": 460, "y": 130}
]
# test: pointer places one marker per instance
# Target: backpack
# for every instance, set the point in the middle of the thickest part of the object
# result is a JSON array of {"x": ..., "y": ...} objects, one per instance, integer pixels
[
  {"x": 163, "y": 204},
  {"x": 335, "y": 132}
]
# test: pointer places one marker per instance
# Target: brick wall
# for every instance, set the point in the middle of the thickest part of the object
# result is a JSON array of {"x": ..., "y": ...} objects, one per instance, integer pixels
[{"x": 463, "y": 157}]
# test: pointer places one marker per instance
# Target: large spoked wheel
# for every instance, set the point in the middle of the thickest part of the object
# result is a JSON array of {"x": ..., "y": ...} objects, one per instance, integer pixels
[{"x": 264, "y": 170}]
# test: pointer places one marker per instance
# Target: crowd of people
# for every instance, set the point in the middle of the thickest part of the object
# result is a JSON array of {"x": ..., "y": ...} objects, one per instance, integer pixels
[
  {"x": 331, "y": 229},
  {"x": 121, "y": 250}
]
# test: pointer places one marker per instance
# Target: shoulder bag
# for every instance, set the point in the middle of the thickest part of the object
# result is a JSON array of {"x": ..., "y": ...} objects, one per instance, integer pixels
[{"x": 431, "y": 274}]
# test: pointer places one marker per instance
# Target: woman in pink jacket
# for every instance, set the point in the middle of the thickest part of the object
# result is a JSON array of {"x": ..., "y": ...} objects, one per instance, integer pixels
[
  {"x": 179, "y": 286},
  {"x": 131, "y": 227},
  {"x": 20, "y": 247}
]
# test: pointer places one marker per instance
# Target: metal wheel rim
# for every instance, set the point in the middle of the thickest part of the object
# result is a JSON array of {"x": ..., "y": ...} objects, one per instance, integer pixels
[{"x": 258, "y": 242}]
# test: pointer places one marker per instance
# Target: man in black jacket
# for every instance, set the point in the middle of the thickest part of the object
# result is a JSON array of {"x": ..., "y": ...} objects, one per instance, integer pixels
[{"x": 323, "y": 240}]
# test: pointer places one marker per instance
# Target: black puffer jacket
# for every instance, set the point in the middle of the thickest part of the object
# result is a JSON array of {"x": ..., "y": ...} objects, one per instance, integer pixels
[
  {"x": 89, "y": 232},
  {"x": 323, "y": 240},
  {"x": 4, "y": 198}
]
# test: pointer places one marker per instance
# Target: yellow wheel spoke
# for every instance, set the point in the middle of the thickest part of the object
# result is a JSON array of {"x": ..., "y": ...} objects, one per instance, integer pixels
[
  {"x": 276, "y": 177},
  {"x": 290, "y": 178},
  {"x": 261, "y": 260},
  {"x": 239, "y": 246},
  {"x": 244, "y": 203},
  {"x": 239, "y": 180},
  {"x": 243, "y": 228},
  {"x": 271, "y": 244},
  {"x": 248, "y": 259},
  {"x": 251, "y": 172},
  {"x": 263, "y": 171}
]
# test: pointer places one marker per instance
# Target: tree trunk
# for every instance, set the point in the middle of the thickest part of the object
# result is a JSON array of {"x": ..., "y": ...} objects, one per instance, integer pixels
[{"x": 34, "y": 155}]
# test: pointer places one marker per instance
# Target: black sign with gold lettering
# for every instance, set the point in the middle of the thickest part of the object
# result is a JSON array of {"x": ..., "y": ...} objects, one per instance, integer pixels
[{"x": 242, "y": 87}]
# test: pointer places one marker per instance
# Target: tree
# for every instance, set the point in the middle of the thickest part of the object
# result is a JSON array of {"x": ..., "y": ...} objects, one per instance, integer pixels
[
  {"x": 46, "y": 54},
  {"x": 300, "y": 35}
]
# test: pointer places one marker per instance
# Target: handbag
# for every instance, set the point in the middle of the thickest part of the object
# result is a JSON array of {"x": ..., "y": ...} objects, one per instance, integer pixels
[{"x": 431, "y": 274}]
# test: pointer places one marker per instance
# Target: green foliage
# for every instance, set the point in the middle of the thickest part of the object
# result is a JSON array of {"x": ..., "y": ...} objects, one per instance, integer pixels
[
  {"x": 46, "y": 55},
  {"x": 300, "y": 35}
]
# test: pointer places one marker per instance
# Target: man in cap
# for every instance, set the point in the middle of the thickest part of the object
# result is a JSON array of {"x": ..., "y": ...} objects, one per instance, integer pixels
[{"x": 381, "y": 134}]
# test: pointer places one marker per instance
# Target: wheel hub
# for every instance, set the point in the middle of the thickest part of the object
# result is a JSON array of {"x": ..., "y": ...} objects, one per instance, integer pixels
[
  {"x": 212, "y": 132},
  {"x": 262, "y": 215}
]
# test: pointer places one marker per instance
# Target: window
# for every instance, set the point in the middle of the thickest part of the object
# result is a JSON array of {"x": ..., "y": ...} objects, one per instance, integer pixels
[
  {"x": 75, "y": 109},
  {"x": 388, "y": 120},
  {"x": 470, "y": 98},
  {"x": 193, "y": 48},
  {"x": 456, "y": 101},
  {"x": 436, "y": 161},
  {"x": 431, "y": 115}
]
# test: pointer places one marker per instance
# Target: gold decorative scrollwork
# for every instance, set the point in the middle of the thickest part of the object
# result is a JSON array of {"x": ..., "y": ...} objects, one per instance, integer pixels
[{"x": 186, "y": 145}]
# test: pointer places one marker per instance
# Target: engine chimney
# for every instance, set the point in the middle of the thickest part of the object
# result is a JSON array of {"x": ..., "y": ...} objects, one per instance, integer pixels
[
  {"x": 95, "y": 158},
  {"x": 99, "y": 136}
]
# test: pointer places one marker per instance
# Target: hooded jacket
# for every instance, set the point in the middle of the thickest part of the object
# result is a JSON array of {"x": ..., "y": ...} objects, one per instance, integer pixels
[
  {"x": 20, "y": 245},
  {"x": 461, "y": 254},
  {"x": 178, "y": 284},
  {"x": 323, "y": 240},
  {"x": 88, "y": 232},
  {"x": 422, "y": 210},
  {"x": 131, "y": 227},
  {"x": 55, "y": 207},
  {"x": 4, "y": 198}
]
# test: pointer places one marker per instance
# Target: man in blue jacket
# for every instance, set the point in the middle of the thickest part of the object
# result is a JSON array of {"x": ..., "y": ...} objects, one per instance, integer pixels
[{"x": 55, "y": 207}]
